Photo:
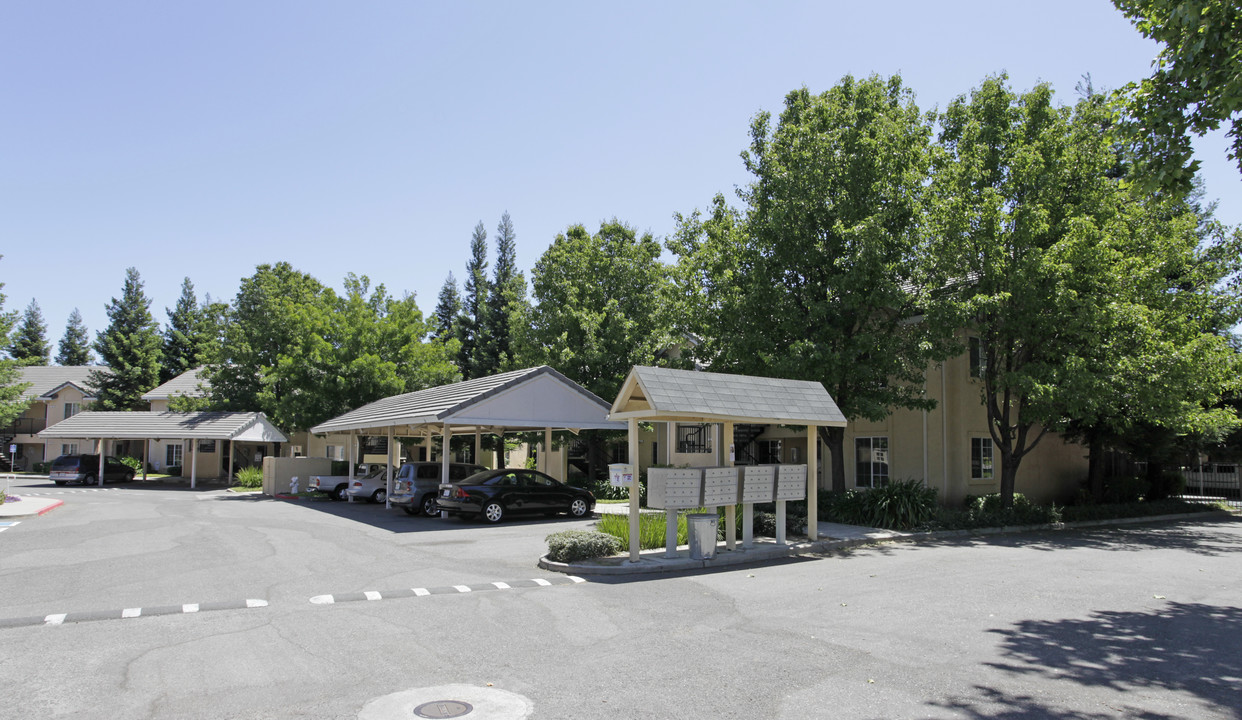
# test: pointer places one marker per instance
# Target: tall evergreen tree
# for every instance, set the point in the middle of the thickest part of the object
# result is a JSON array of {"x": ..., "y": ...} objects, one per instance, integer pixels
[
  {"x": 474, "y": 307},
  {"x": 11, "y": 387},
  {"x": 75, "y": 344},
  {"x": 184, "y": 336},
  {"x": 448, "y": 310},
  {"x": 130, "y": 347},
  {"x": 505, "y": 299},
  {"x": 30, "y": 345}
]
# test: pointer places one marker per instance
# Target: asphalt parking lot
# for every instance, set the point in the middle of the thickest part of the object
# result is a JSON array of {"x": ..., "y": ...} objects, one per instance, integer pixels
[{"x": 1139, "y": 621}]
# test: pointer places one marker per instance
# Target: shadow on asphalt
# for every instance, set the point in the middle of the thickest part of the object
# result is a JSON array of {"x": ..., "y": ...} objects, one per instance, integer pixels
[
  {"x": 397, "y": 520},
  {"x": 1187, "y": 648}
]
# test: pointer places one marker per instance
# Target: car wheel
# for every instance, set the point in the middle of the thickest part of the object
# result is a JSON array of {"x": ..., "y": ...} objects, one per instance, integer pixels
[
  {"x": 578, "y": 508},
  {"x": 493, "y": 512},
  {"x": 340, "y": 493},
  {"x": 88, "y": 480},
  {"x": 429, "y": 506},
  {"x": 129, "y": 478},
  {"x": 409, "y": 509},
  {"x": 379, "y": 496}
]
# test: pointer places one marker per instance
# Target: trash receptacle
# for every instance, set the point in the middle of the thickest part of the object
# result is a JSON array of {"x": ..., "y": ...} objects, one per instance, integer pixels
[{"x": 701, "y": 529}]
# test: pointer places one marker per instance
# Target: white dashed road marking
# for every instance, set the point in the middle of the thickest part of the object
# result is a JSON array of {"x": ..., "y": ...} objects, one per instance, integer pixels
[
  {"x": 127, "y": 613},
  {"x": 8, "y": 524},
  {"x": 131, "y": 612},
  {"x": 446, "y": 590}
]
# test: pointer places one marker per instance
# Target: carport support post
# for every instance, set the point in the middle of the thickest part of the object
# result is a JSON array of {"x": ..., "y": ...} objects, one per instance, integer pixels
[
  {"x": 730, "y": 510},
  {"x": 193, "y": 464},
  {"x": 101, "y": 461},
  {"x": 447, "y": 434},
  {"x": 478, "y": 446},
  {"x": 232, "y": 459},
  {"x": 812, "y": 482},
  {"x": 146, "y": 453},
  {"x": 349, "y": 474},
  {"x": 388, "y": 480},
  {"x": 546, "y": 455},
  {"x": 634, "y": 491}
]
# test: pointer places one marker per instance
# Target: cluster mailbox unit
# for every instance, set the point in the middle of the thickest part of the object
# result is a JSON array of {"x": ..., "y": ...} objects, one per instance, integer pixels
[{"x": 685, "y": 488}]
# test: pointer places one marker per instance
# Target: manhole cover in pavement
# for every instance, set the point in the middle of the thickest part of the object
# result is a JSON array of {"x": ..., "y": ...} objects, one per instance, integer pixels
[{"x": 443, "y": 709}]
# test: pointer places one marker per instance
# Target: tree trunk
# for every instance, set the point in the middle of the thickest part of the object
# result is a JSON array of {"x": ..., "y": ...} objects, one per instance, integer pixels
[
  {"x": 1095, "y": 467},
  {"x": 834, "y": 438},
  {"x": 1157, "y": 487},
  {"x": 1009, "y": 477}
]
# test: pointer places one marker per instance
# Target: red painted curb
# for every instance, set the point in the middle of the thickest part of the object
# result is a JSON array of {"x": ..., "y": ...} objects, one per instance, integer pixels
[
  {"x": 50, "y": 508},
  {"x": 282, "y": 496}
]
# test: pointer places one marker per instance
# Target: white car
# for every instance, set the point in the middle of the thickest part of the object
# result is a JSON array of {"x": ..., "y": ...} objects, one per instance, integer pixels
[{"x": 373, "y": 486}]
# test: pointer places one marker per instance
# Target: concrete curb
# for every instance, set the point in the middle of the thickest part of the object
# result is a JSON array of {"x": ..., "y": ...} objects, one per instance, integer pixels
[
  {"x": 653, "y": 561},
  {"x": 29, "y": 507}
]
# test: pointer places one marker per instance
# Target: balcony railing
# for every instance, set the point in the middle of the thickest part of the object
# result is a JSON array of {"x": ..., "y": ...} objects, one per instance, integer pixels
[{"x": 24, "y": 426}]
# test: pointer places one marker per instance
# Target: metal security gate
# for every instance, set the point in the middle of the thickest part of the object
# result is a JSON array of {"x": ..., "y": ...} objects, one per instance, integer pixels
[{"x": 1213, "y": 482}]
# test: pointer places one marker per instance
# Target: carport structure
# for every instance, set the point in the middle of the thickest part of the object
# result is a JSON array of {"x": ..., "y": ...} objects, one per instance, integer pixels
[
  {"x": 652, "y": 394},
  {"x": 234, "y": 427},
  {"x": 532, "y": 399}
]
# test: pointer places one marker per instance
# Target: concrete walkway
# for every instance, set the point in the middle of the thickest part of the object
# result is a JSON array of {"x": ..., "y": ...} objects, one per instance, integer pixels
[
  {"x": 833, "y": 536},
  {"x": 28, "y": 506}
]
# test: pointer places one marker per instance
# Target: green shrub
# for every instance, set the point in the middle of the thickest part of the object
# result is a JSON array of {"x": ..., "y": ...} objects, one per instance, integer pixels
[
  {"x": 42, "y": 468},
  {"x": 570, "y": 545},
  {"x": 249, "y": 477},
  {"x": 132, "y": 462},
  {"x": 1112, "y": 511},
  {"x": 173, "y": 470},
  {"x": 339, "y": 467},
  {"x": 1125, "y": 489},
  {"x": 899, "y": 505},
  {"x": 765, "y": 523},
  {"x": 986, "y": 511},
  {"x": 650, "y": 529}
]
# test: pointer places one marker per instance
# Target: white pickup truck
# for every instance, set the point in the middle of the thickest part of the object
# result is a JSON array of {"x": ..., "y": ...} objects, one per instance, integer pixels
[{"x": 337, "y": 486}]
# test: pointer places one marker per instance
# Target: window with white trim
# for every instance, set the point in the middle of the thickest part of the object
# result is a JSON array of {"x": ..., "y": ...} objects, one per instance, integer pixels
[
  {"x": 871, "y": 458},
  {"x": 172, "y": 455},
  {"x": 69, "y": 449},
  {"x": 71, "y": 409},
  {"x": 981, "y": 467},
  {"x": 978, "y": 358}
]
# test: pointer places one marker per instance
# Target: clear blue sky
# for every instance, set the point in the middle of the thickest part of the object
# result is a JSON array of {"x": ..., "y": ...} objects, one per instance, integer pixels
[{"x": 201, "y": 139}]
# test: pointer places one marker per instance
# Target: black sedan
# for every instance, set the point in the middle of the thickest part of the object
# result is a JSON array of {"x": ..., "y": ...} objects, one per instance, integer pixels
[{"x": 494, "y": 494}]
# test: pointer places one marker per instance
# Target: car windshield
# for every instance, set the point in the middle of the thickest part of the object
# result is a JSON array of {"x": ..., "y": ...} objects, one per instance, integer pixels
[
  {"x": 66, "y": 463},
  {"x": 378, "y": 471}
]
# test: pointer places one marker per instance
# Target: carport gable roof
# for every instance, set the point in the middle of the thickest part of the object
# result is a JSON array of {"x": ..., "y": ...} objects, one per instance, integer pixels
[
  {"x": 246, "y": 426},
  {"x": 528, "y": 399},
  {"x": 658, "y": 394}
]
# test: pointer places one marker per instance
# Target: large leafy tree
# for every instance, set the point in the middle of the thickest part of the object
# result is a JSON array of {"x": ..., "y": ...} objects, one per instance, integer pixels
[
  {"x": 11, "y": 387},
  {"x": 815, "y": 281},
  {"x": 130, "y": 347},
  {"x": 601, "y": 307},
  {"x": 1195, "y": 85},
  {"x": 470, "y": 357},
  {"x": 1087, "y": 298},
  {"x": 300, "y": 353},
  {"x": 186, "y": 335},
  {"x": 75, "y": 344},
  {"x": 505, "y": 303},
  {"x": 29, "y": 344}
]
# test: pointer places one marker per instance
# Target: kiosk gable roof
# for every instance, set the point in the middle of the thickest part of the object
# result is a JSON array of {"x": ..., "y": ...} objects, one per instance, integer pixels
[
  {"x": 530, "y": 398},
  {"x": 178, "y": 425},
  {"x": 664, "y": 393}
]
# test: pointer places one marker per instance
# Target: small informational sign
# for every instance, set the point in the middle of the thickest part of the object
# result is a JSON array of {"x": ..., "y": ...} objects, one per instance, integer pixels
[
  {"x": 620, "y": 475},
  {"x": 13, "y": 449},
  {"x": 732, "y": 454}
]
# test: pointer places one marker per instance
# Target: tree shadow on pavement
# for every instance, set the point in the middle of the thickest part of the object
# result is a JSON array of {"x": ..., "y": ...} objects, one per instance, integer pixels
[
  {"x": 1210, "y": 536},
  {"x": 993, "y": 704},
  {"x": 1185, "y": 648}
]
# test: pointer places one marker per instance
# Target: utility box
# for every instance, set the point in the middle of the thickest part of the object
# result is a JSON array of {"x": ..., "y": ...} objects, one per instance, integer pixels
[
  {"x": 758, "y": 483},
  {"x": 674, "y": 488},
  {"x": 720, "y": 486},
  {"x": 791, "y": 482}
]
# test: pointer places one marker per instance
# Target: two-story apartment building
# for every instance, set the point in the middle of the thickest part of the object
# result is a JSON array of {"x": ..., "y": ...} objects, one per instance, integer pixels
[{"x": 55, "y": 393}]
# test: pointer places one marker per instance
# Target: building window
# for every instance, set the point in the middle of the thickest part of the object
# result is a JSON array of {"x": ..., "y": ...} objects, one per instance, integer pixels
[
  {"x": 72, "y": 409},
  {"x": 768, "y": 451},
  {"x": 978, "y": 358},
  {"x": 337, "y": 452},
  {"x": 207, "y": 446},
  {"x": 871, "y": 455},
  {"x": 172, "y": 455},
  {"x": 981, "y": 459},
  {"x": 694, "y": 438},
  {"x": 69, "y": 449}
]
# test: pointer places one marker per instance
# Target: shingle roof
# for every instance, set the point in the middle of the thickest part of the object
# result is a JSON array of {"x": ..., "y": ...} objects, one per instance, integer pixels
[
  {"x": 188, "y": 383},
  {"x": 549, "y": 399},
  {"x": 45, "y": 379},
  {"x": 172, "y": 425},
  {"x": 650, "y": 392}
]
